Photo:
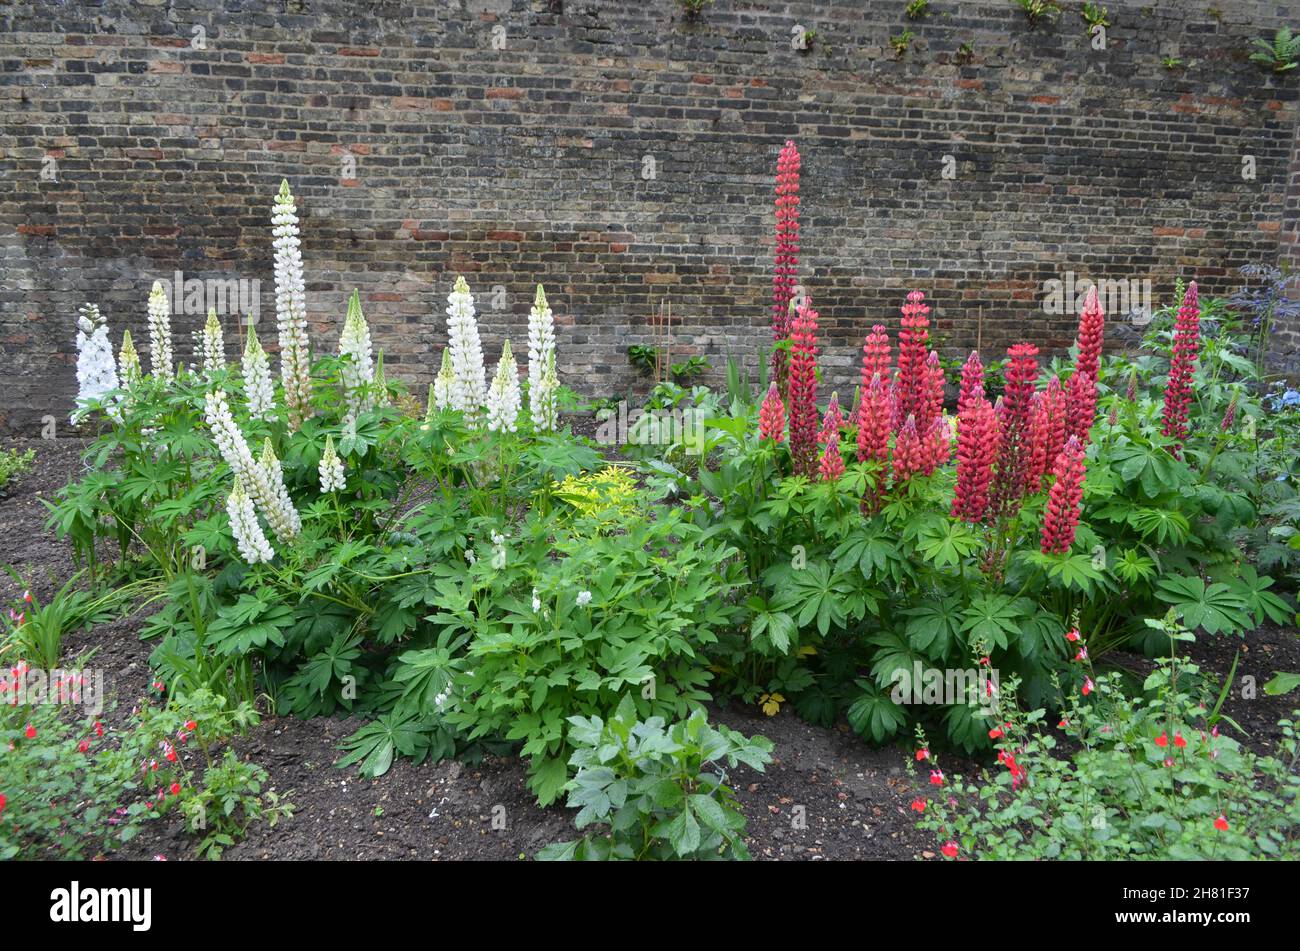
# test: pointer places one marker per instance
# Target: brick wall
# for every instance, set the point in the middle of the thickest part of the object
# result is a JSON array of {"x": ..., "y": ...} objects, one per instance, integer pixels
[{"x": 514, "y": 140}]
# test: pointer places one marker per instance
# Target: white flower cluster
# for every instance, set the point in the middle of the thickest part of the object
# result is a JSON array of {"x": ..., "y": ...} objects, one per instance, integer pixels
[
  {"x": 358, "y": 366},
  {"x": 259, "y": 391},
  {"x": 291, "y": 308},
  {"x": 441, "y": 389},
  {"x": 213, "y": 345},
  {"x": 498, "y": 551},
  {"x": 250, "y": 539},
  {"x": 543, "y": 383},
  {"x": 469, "y": 387},
  {"x": 584, "y": 598},
  {"x": 263, "y": 480},
  {"x": 160, "y": 333},
  {"x": 503, "y": 396},
  {"x": 332, "y": 478},
  {"x": 96, "y": 371}
]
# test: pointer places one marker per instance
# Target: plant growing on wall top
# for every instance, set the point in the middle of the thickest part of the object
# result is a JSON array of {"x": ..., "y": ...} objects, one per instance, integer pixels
[
  {"x": 1281, "y": 55},
  {"x": 917, "y": 9},
  {"x": 692, "y": 9},
  {"x": 1038, "y": 10}
]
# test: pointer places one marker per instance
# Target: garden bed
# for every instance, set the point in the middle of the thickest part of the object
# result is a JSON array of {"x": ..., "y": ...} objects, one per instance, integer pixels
[{"x": 855, "y": 797}]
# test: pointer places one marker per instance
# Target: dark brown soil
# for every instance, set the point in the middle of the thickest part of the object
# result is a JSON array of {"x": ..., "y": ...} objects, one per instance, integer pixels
[{"x": 826, "y": 796}]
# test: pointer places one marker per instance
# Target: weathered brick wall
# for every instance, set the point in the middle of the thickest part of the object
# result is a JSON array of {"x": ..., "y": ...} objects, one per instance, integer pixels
[{"x": 511, "y": 140}]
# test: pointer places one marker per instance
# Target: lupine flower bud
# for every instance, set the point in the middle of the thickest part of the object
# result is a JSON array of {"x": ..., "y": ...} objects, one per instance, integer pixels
[
  {"x": 874, "y": 420},
  {"x": 972, "y": 381},
  {"x": 213, "y": 345},
  {"x": 1061, "y": 517},
  {"x": 937, "y": 444},
  {"x": 469, "y": 389},
  {"x": 977, "y": 446},
  {"x": 249, "y": 538},
  {"x": 357, "y": 372},
  {"x": 909, "y": 454},
  {"x": 541, "y": 350},
  {"x": 832, "y": 422},
  {"x": 128, "y": 362},
  {"x": 875, "y": 355},
  {"x": 441, "y": 389},
  {"x": 503, "y": 401},
  {"x": 291, "y": 308},
  {"x": 259, "y": 391},
  {"x": 1092, "y": 322},
  {"x": 1010, "y": 479},
  {"x": 912, "y": 391},
  {"x": 771, "y": 415},
  {"x": 160, "y": 334},
  {"x": 1229, "y": 415},
  {"x": 1131, "y": 393},
  {"x": 1178, "y": 391},
  {"x": 787, "y": 252},
  {"x": 803, "y": 390},
  {"x": 330, "y": 468},
  {"x": 1081, "y": 405},
  {"x": 832, "y": 464}
]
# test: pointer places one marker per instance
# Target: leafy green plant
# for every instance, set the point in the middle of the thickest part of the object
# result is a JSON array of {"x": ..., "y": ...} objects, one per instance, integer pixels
[
  {"x": 916, "y": 9},
  {"x": 692, "y": 9},
  {"x": 643, "y": 357},
  {"x": 655, "y": 791},
  {"x": 1171, "y": 62},
  {"x": 1036, "y": 11},
  {"x": 36, "y": 630},
  {"x": 14, "y": 465},
  {"x": 1281, "y": 55},
  {"x": 1140, "y": 778},
  {"x": 1094, "y": 14},
  {"x": 902, "y": 42}
]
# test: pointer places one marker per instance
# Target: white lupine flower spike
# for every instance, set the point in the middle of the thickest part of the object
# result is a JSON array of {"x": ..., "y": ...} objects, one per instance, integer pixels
[
  {"x": 358, "y": 370},
  {"x": 541, "y": 355},
  {"x": 332, "y": 478},
  {"x": 160, "y": 334},
  {"x": 213, "y": 345},
  {"x": 469, "y": 389},
  {"x": 262, "y": 480},
  {"x": 96, "y": 369},
  {"x": 440, "y": 391},
  {"x": 252, "y": 543},
  {"x": 291, "y": 309},
  {"x": 503, "y": 395},
  {"x": 259, "y": 391},
  {"x": 128, "y": 362}
]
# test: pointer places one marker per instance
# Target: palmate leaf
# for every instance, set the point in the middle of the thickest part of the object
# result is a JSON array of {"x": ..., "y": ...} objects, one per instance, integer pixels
[
  {"x": 249, "y": 624},
  {"x": 1252, "y": 588},
  {"x": 945, "y": 542},
  {"x": 375, "y": 744},
  {"x": 1213, "y": 608},
  {"x": 874, "y": 715},
  {"x": 1166, "y": 525},
  {"x": 1072, "y": 570},
  {"x": 933, "y": 627},
  {"x": 992, "y": 618}
]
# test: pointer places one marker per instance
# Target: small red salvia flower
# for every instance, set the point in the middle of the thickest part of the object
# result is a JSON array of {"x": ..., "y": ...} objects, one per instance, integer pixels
[
  {"x": 1162, "y": 740},
  {"x": 1072, "y": 635},
  {"x": 949, "y": 849},
  {"x": 3, "y": 800},
  {"x": 191, "y": 726},
  {"x": 176, "y": 789},
  {"x": 1178, "y": 390},
  {"x": 995, "y": 733},
  {"x": 83, "y": 746},
  {"x": 936, "y": 777},
  {"x": 771, "y": 416},
  {"x": 922, "y": 754},
  {"x": 1221, "y": 823},
  {"x": 1061, "y": 518},
  {"x": 1179, "y": 741},
  {"x": 1087, "y": 686},
  {"x": 918, "y": 805},
  {"x": 30, "y": 732}
]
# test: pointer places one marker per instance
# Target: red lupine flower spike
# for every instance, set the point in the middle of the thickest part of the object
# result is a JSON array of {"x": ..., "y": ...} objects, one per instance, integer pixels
[
  {"x": 972, "y": 382},
  {"x": 1061, "y": 518},
  {"x": 875, "y": 355},
  {"x": 803, "y": 390},
  {"x": 771, "y": 416},
  {"x": 787, "y": 253},
  {"x": 1013, "y": 456},
  {"x": 909, "y": 454},
  {"x": 977, "y": 446},
  {"x": 1092, "y": 323},
  {"x": 832, "y": 464},
  {"x": 832, "y": 422},
  {"x": 1178, "y": 390},
  {"x": 913, "y": 386}
]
